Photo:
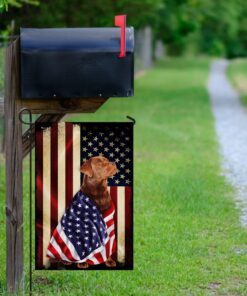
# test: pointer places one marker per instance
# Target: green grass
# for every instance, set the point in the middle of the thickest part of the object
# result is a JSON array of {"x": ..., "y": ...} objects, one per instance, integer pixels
[
  {"x": 237, "y": 72},
  {"x": 188, "y": 240}
]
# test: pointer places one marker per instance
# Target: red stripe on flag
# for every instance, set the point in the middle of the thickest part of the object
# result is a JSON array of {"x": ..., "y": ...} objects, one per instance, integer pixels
[
  {"x": 107, "y": 249},
  {"x": 114, "y": 248},
  {"x": 89, "y": 262},
  {"x": 112, "y": 233},
  {"x": 54, "y": 177},
  {"x": 54, "y": 252},
  {"x": 109, "y": 223},
  {"x": 99, "y": 257},
  {"x": 63, "y": 246},
  {"x": 69, "y": 162},
  {"x": 113, "y": 192},
  {"x": 39, "y": 198},
  {"x": 128, "y": 227}
]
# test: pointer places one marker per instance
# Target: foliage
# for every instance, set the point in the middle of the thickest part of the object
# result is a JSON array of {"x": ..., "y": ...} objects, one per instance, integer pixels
[
  {"x": 84, "y": 13},
  {"x": 3, "y": 5},
  {"x": 176, "y": 19},
  {"x": 218, "y": 27},
  {"x": 214, "y": 27},
  {"x": 15, "y": 3}
]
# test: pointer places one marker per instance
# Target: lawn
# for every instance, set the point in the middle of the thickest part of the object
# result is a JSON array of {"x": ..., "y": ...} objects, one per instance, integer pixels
[
  {"x": 188, "y": 239},
  {"x": 238, "y": 74}
]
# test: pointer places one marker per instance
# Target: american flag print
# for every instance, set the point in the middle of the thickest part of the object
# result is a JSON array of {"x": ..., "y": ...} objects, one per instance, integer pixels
[
  {"x": 69, "y": 226},
  {"x": 83, "y": 235}
]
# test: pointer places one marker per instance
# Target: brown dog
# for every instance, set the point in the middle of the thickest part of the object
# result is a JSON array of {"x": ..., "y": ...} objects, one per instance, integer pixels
[{"x": 96, "y": 171}]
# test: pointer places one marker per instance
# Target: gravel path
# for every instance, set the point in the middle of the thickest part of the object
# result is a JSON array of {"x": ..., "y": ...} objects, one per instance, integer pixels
[{"x": 231, "y": 128}]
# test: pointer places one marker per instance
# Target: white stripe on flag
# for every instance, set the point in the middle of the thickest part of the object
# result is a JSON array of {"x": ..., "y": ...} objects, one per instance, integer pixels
[
  {"x": 111, "y": 242},
  {"x": 109, "y": 217},
  {"x": 46, "y": 192},
  {"x": 109, "y": 229},
  {"x": 50, "y": 254},
  {"x": 121, "y": 224},
  {"x": 103, "y": 254},
  {"x": 76, "y": 158},
  {"x": 61, "y": 169},
  {"x": 95, "y": 261}
]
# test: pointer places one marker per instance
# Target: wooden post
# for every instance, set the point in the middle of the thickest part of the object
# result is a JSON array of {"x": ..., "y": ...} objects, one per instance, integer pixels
[
  {"x": 17, "y": 147},
  {"x": 14, "y": 202}
]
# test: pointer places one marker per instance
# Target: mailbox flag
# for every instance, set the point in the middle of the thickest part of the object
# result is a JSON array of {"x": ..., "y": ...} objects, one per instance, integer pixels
[
  {"x": 61, "y": 148},
  {"x": 120, "y": 21}
]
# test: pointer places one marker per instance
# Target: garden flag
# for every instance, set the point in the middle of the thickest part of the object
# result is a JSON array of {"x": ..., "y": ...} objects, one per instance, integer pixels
[{"x": 84, "y": 196}]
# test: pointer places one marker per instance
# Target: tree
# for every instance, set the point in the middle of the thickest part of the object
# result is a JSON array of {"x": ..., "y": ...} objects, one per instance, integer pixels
[
  {"x": 176, "y": 20},
  {"x": 16, "y": 3},
  {"x": 78, "y": 13},
  {"x": 212, "y": 27},
  {"x": 215, "y": 27},
  {"x": 3, "y": 5},
  {"x": 219, "y": 26}
]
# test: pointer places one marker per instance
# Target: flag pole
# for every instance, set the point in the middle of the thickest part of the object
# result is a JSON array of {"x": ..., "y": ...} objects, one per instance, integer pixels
[{"x": 29, "y": 136}]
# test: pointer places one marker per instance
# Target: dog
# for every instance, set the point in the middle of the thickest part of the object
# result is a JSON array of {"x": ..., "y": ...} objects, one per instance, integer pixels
[
  {"x": 96, "y": 171},
  {"x": 93, "y": 193}
]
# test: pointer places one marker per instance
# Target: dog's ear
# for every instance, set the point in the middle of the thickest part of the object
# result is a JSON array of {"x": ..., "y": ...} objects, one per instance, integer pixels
[{"x": 86, "y": 168}]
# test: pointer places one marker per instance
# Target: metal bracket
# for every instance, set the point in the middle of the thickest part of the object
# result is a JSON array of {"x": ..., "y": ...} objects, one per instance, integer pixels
[
  {"x": 30, "y": 116},
  {"x": 132, "y": 119}
]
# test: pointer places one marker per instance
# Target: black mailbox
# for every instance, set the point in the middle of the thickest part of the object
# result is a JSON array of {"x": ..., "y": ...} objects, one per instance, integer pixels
[{"x": 76, "y": 63}]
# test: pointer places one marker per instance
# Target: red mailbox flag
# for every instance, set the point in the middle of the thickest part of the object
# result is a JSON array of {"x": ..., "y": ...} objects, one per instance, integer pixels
[{"x": 120, "y": 21}]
